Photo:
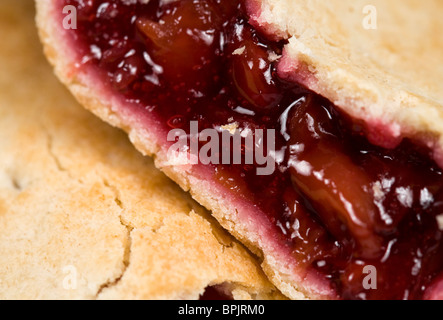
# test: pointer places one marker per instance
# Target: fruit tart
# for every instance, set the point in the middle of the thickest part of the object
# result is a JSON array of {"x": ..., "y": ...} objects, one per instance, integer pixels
[{"x": 313, "y": 130}]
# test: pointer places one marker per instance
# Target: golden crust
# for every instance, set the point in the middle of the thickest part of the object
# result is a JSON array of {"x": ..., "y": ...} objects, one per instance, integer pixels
[
  {"x": 390, "y": 76},
  {"x": 84, "y": 215}
]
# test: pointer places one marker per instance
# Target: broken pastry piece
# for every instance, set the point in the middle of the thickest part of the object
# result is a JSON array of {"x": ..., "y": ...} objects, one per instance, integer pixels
[
  {"x": 83, "y": 214},
  {"x": 354, "y": 115}
]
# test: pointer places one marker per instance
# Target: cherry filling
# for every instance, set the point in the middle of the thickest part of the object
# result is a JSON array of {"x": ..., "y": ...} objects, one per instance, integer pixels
[
  {"x": 345, "y": 207},
  {"x": 215, "y": 293}
]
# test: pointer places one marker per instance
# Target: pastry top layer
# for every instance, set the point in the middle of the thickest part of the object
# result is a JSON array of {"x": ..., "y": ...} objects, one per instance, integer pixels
[{"x": 380, "y": 62}]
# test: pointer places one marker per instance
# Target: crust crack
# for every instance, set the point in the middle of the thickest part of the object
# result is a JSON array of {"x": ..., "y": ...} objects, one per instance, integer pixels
[
  {"x": 127, "y": 244},
  {"x": 50, "y": 146}
]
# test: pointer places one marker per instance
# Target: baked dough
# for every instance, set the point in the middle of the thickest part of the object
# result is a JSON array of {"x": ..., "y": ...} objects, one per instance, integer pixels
[
  {"x": 83, "y": 215},
  {"x": 380, "y": 61},
  {"x": 327, "y": 62}
]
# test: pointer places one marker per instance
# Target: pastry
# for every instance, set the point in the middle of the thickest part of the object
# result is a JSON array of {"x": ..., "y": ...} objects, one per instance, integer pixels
[
  {"x": 83, "y": 214},
  {"x": 332, "y": 112}
]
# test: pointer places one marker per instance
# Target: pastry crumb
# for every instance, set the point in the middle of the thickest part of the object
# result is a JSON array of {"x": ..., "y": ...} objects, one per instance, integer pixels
[
  {"x": 273, "y": 56},
  {"x": 231, "y": 127},
  {"x": 378, "y": 191},
  {"x": 440, "y": 221},
  {"x": 239, "y": 51}
]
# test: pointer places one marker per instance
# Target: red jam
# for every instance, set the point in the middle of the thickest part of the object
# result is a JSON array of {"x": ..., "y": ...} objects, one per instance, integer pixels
[
  {"x": 214, "y": 293},
  {"x": 341, "y": 203}
]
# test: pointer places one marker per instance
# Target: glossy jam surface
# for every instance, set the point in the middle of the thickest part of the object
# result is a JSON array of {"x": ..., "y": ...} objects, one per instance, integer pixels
[{"x": 346, "y": 208}]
